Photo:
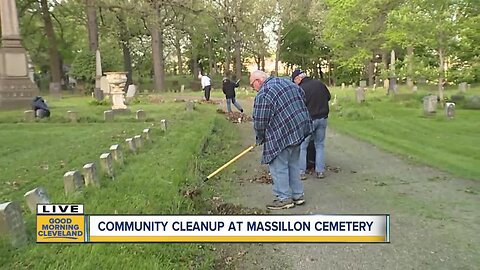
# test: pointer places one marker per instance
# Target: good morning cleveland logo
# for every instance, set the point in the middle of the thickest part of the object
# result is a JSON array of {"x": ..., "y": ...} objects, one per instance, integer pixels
[{"x": 60, "y": 223}]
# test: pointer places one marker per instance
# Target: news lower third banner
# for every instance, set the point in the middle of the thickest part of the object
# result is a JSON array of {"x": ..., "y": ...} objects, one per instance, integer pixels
[{"x": 69, "y": 224}]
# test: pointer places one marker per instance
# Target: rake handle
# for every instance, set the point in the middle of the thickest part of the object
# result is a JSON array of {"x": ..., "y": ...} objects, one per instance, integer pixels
[{"x": 230, "y": 162}]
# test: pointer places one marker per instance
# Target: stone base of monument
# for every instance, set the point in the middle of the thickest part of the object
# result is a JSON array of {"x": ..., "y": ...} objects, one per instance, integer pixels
[
  {"x": 17, "y": 93},
  {"x": 121, "y": 111}
]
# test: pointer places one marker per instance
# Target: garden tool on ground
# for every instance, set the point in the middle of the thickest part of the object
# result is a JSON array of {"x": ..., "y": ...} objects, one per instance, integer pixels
[{"x": 230, "y": 162}]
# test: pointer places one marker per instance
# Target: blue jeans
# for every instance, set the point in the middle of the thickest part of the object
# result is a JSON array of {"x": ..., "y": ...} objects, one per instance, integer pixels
[
  {"x": 237, "y": 105},
  {"x": 285, "y": 173},
  {"x": 318, "y": 136}
]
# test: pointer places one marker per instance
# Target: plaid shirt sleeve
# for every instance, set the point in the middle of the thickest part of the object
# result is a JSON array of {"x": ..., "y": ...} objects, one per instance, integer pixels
[{"x": 261, "y": 116}]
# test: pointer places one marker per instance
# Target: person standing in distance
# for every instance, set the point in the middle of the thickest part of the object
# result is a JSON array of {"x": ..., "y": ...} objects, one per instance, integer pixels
[
  {"x": 229, "y": 91},
  {"x": 281, "y": 122},
  {"x": 206, "y": 85},
  {"x": 317, "y": 97}
]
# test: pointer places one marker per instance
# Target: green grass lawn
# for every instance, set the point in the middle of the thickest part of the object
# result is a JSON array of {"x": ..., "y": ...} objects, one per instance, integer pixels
[
  {"x": 39, "y": 153},
  {"x": 397, "y": 124}
]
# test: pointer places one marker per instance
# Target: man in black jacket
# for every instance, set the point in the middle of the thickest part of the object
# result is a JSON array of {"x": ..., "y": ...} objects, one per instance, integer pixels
[
  {"x": 317, "y": 97},
  {"x": 40, "y": 107},
  {"x": 229, "y": 91}
]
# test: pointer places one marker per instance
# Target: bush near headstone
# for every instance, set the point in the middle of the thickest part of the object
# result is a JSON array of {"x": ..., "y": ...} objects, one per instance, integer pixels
[{"x": 473, "y": 103}]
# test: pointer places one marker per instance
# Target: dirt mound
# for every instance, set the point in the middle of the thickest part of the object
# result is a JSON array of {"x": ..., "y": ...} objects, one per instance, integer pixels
[
  {"x": 264, "y": 178},
  {"x": 235, "y": 117}
]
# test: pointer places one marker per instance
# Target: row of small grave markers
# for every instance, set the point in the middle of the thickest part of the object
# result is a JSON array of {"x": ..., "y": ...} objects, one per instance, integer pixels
[
  {"x": 11, "y": 221},
  {"x": 108, "y": 115}
]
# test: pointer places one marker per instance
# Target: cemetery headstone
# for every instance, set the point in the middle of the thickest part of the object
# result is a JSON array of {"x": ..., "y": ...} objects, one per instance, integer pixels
[
  {"x": 343, "y": 86},
  {"x": 11, "y": 224},
  {"x": 131, "y": 145},
  {"x": 146, "y": 134},
  {"x": 138, "y": 141},
  {"x": 36, "y": 196},
  {"x": 163, "y": 125},
  {"x": 131, "y": 92},
  {"x": 430, "y": 104},
  {"x": 29, "y": 115},
  {"x": 72, "y": 116},
  {"x": 462, "y": 87},
  {"x": 182, "y": 88},
  {"x": 360, "y": 94},
  {"x": 72, "y": 181},
  {"x": 141, "y": 115},
  {"x": 363, "y": 84},
  {"x": 106, "y": 163},
  {"x": 105, "y": 86},
  {"x": 90, "y": 174},
  {"x": 415, "y": 88},
  {"x": 469, "y": 86},
  {"x": 117, "y": 154},
  {"x": 108, "y": 116},
  {"x": 450, "y": 110},
  {"x": 189, "y": 106}
]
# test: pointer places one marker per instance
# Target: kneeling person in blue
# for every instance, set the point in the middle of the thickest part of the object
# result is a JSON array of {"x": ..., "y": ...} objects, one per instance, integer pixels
[
  {"x": 40, "y": 107},
  {"x": 229, "y": 91}
]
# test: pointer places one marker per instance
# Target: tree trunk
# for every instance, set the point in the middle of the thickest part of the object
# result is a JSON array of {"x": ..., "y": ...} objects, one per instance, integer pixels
[
  {"x": 370, "y": 72},
  {"x": 127, "y": 62},
  {"x": 157, "y": 57},
  {"x": 385, "y": 70},
  {"x": 262, "y": 60},
  {"x": 195, "y": 68},
  {"x": 441, "y": 69},
  {"x": 410, "y": 67},
  {"x": 228, "y": 59},
  {"x": 238, "y": 59},
  {"x": 211, "y": 62},
  {"x": 92, "y": 25},
  {"x": 178, "y": 49},
  {"x": 55, "y": 68},
  {"x": 277, "y": 51}
]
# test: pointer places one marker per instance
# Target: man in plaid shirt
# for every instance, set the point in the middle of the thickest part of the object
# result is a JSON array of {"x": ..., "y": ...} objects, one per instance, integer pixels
[{"x": 281, "y": 123}]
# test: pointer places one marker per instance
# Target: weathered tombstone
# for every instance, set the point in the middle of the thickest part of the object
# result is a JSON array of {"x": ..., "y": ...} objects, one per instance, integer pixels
[
  {"x": 29, "y": 115},
  {"x": 189, "y": 106},
  {"x": 117, "y": 154},
  {"x": 105, "y": 86},
  {"x": 462, "y": 87},
  {"x": 163, "y": 125},
  {"x": 450, "y": 110},
  {"x": 11, "y": 224},
  {"x": 146, "y": 134},
  {"x": 72, "y": 181},
  {"x": 360, "y": 94},
  {"x": 430, "y": 104},
  {"x": 363, "y": 84},
  {"x": 343, "y": 86},
  {"x": 469, "y": 86},
  {"x": 16, "y": 88},
  {"x": 90, "y": 174},
  {"x": 131, "y": 92},
  {"x": 415, "y": 88},
  {"x": 182, "y": 88},
  {"x": 141, "y": 115},
  {"x": 36, "y": 196},
  {"x": 72, "y": 116},
  {"x": 131, "y": 145},
  {"x": 108, "y": 116},
  {"x": 106, "y": 163},
  {"x": 386, "y": 83},
  {"x": 138, "y": 141},
  {"x": 98, "y": 92}
]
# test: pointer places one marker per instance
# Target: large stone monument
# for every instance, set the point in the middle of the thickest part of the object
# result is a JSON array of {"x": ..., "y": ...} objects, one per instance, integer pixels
[
  {"x": 117, "y": 82},
  {"x": 16, "y": 88}
]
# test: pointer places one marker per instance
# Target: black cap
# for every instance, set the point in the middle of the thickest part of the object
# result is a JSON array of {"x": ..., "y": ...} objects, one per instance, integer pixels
[{"x": 295, "y": 73}]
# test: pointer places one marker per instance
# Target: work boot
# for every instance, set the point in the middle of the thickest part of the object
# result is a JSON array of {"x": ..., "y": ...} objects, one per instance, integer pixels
[
  {"x": 299, "y": 201},
  {"x": 303, "y": 176},
  {"x": 320, "y": 175},
  {"x": 278, "y": 204}
]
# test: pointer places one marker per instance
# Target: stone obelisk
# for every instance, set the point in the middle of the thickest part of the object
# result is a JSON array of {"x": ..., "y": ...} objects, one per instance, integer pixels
[{"x": 16, "y": 89}]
